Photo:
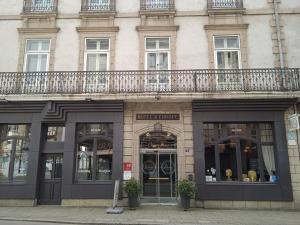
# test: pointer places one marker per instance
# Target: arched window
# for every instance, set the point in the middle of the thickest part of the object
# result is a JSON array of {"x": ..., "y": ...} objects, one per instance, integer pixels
[{"x": 158, "y": 140}]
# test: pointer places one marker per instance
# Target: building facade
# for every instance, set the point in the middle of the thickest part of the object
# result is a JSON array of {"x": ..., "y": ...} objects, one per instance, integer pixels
[{"x": 95, "y": 91}]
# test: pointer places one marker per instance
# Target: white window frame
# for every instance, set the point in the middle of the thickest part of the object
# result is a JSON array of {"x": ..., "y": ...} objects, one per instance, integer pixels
[
  {"x": 37, "y": 82},
  {"x": 101, "y": 87},
  {"x": 38, "y": 52},
  {"x": 159, "y": 86},
  {"x": 221, "y": 84}
]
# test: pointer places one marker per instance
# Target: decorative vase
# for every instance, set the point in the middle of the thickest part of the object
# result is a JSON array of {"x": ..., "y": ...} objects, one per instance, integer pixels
[
  {"x": 132, "y": 201},
  {"x": 185, "y": 202}
]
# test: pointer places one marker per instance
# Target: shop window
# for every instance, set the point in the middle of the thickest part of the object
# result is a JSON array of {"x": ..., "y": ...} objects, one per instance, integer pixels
[
  {"x": 94, "y": 152},
  {"x": 14, "y": 148},
  {"x": 55, "y": 134},
  {"x": 241, "y": 152}
]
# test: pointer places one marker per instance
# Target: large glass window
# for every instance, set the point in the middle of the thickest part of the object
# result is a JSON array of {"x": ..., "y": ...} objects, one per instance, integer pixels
[
  {"x": 14, "y": 147},
  {"x": 94, "y": 152},
  {"x": 239, "y": 152}
]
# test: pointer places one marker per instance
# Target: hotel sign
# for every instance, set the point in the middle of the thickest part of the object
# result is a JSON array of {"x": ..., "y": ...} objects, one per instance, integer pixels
[{"x": 157, "y": 117}]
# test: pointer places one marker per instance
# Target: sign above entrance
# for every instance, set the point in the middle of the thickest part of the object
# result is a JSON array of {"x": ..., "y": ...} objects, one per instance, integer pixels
[{"x": 146, "y": 116}]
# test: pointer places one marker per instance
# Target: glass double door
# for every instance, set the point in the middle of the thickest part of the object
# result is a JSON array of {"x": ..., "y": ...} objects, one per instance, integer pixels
[{"x": 159, "y": 177}]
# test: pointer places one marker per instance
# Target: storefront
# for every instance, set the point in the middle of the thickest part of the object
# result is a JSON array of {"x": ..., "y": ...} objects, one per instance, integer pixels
[
  {"x": 241, "y": 150},
  {"x": 58, "y": 152}
]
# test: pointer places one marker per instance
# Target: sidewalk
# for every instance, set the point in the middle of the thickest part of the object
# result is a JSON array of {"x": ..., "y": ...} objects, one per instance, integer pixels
[{"x": 145, "y": 215}]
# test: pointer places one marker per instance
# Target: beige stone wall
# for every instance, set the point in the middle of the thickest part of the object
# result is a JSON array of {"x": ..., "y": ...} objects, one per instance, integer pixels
[{"x": 182, "y": 129}]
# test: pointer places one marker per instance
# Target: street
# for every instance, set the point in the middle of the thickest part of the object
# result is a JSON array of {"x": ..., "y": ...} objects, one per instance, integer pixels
[{"x": 5, "y": 222}]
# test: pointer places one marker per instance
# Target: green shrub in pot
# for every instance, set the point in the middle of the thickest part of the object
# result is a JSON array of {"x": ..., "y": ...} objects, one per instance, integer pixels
[
  {"x": 186, "y": 190},
  {"x": 133, "y": 189}
]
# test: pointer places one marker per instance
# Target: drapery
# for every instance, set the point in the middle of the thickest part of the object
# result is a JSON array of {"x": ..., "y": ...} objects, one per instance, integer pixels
[{"x": 269, "y": 159}]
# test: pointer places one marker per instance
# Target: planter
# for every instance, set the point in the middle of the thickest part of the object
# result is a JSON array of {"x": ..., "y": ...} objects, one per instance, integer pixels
[
  {"x": 185, "y": 202},
  {"x": 133, "y": 202}
]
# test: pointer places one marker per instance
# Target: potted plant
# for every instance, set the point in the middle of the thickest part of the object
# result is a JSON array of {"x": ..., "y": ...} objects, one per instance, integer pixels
[
  {"x": 133, "y": 190},
  {"x": 186, "y": 191}
]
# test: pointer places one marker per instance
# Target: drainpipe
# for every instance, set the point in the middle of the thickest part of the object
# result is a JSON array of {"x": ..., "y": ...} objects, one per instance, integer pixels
[{"x": 277, "y": 22}]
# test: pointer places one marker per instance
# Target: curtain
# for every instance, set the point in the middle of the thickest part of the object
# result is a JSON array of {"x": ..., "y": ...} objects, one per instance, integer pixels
[{"x": 269, "y": 159}]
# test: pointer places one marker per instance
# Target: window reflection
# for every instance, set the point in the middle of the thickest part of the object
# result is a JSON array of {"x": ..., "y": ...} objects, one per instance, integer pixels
[
  {"x": 94, "y": 151},
  {"x": 56, "y": 134}
]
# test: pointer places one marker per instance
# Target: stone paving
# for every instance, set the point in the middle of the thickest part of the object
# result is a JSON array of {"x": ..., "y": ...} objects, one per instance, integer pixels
[{"x": 164, "y": 215}]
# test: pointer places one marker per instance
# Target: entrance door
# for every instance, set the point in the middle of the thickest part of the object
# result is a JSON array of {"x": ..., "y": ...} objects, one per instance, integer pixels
[
  {"x": 159, "y": 177},
  {"x": 50, "y": 181}
]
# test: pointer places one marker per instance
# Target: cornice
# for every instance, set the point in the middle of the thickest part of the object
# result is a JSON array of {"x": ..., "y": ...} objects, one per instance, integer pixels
[
  {"x": 38, "y": 30},
  {"x": 98, "y": 29},
  {"x": 225, "y": 11},
  {"x": 157, "y": 12},
  {"x": 157, "y": 28},
  {"x": 226, "y": 27},
  {"x": 91, "y": 14}
]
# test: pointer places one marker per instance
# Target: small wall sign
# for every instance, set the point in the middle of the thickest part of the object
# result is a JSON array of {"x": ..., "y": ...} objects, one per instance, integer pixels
[
  {"x": 146, "y": 116},
  {"x": 127, "y": 170}
]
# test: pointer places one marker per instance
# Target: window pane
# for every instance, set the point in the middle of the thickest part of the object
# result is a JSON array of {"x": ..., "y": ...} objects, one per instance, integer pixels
[
  {"x": 232, "y": 60},
  {"x": 233, "y": 42},
  {"x": 43, "y": 65},
  {"x": 210, "y": 164},
  {"x": 91, "y": 62},
  {"x": 163, "y": 61},
  {"x": 91, "y": 44},
  {"x": 250, "y": 167},
  {"x": 58, "y": 167},
  {"x": 21, "y": 159},
  {"x": 151, "y": 61},
  {"x": 102, "y": 59},
  {"x": 221, "y": 60},
  {"x": 85, "y": 160},
  {"x": 150, "y": 43},
  {"x": 48, "y": 167},
  {"x": 163, "y": 43},
  {"x": 266, "y": 132},
  {"x": 228, "y": 162},
  {"x": 56, "y": 134},
  {"x": 7, "y": 130},
  {"x": 104, "y": 160},
  {"x": 5, "y": 153},
  {"x": 104, "y": 44},
  {"x": 269, "y": 163},
  {"x": 219, "y": 42},
  {"x": 45, "y": 45},
  {"x": 32, "y": 45},
  {"x": 32, "y": 63}
]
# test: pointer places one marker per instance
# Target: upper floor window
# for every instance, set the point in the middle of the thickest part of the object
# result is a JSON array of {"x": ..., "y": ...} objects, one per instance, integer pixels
[
  {"x": 98, "y": 5},
  {"x": 157, "y": 4},
  {"x": 37, "y": 54},
  {"x": 39, "y": 5},
  {"x": 14, "y": 148},
  {"x": 56, "y": 134},
  {"x": 227, "y": 52},
  {"x": 157, "y": 53}
]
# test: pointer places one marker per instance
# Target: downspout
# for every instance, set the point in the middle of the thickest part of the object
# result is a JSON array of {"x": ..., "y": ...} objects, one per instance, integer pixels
[{"x": 277, "y": 22}]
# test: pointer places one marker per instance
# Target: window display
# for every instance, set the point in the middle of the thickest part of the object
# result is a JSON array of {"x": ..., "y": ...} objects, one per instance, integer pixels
[{"x": 241, "y": 152}]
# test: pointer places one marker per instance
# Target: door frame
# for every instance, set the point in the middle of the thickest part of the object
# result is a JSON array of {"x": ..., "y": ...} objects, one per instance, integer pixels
[{"x": 158, "y": 152}]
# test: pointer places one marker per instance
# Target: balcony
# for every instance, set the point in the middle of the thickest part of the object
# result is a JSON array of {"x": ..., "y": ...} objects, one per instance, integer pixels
[
  {"x": 224, "y": 4},
  {"x": 157, "y": 5},
  {"x": 98, "y": 5},
  {"x": 40, "y": 6},
  {"x": 175, "y": 81}
]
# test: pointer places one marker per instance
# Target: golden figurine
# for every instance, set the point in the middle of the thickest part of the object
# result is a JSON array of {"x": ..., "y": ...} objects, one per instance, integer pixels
[
  {"x": 252, "y": 175},
  {"x": 228, "y": 173}
]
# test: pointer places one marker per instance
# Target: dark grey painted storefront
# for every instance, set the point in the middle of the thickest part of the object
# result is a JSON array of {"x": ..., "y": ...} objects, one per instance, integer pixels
[
  {"x": 242, "y": 111},
  {"x": 68, "y": 114}
]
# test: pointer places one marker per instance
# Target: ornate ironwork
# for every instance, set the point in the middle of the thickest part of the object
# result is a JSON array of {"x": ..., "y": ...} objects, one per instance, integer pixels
[
  {"x": 98, "y": 5},
  {"x": 171, "y": 81},
  {"x": 39, "y": 6},
  {"x": 213, "y": 4},
  {"x": 157, "y": 5}
]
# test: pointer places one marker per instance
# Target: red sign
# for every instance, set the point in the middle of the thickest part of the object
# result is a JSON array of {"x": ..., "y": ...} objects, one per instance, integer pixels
[{"x": 127, "y": 166}]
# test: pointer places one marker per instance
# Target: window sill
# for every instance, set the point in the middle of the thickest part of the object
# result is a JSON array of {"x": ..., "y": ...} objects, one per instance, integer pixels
[
  {"x": 12, "y": 183},
  {"x": 93, "y": 182},
  {"x": 239, "y": 183}
]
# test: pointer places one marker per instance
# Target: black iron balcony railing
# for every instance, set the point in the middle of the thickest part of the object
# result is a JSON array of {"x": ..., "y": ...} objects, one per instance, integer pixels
[
  {"x": 98, "y": 5},
  {"x": 40, "y": 6},
  {"x": 171, "y": 81},
  {"x": 224, "y": 4},
  {"x": 157, "y": 5}
]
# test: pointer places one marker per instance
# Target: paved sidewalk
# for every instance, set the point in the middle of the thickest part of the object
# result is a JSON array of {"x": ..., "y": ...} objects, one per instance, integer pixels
[{"x": 145, "y": 215}]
